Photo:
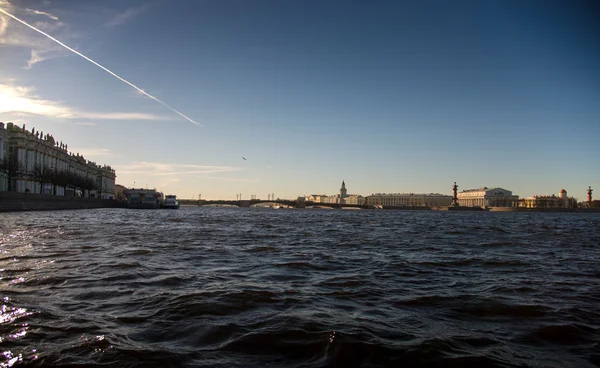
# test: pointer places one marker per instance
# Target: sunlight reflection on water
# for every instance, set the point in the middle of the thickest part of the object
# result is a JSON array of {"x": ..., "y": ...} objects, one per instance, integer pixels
[{"x": 297, "y": 288}]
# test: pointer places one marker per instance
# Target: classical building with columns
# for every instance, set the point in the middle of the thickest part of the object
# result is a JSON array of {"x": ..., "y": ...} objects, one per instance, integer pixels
[
  {"x": 549, "y": 201},
  {"x": 408, "y": 200},
  {"x": 487, "y": 197},
  {"x": 40, "y": 155},
  {"x": 342, "y": 198},
  {"x": 3, "y": 155}
]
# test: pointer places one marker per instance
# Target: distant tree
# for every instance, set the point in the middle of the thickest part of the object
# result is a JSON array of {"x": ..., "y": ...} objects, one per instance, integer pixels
[
  {"x": 41, "y": 174},
  {"x": 87, "y": 183},
  {"x": 72, "y": 181},
  {"x": 12, "y": 168},
  {"x": 77, "y": 182},
  {"x": 61, "y": 179}
]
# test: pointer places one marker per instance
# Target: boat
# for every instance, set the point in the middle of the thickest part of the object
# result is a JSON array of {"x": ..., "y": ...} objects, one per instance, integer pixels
[
  {"x": 143, "y": 198},
  {"x": 170, "y": 202}
]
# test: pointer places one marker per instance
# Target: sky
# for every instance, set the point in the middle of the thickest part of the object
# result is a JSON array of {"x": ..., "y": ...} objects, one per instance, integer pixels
[{"x": 229, "y": 97}]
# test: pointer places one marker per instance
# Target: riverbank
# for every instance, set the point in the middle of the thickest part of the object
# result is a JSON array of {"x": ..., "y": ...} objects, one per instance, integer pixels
[
  {"x": 524, "y": 209},
  {"x": 15, "y": 202}
]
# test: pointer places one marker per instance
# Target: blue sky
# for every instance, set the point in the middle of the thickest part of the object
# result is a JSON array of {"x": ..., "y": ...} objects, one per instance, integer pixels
[{"x": 390, "y": 96}]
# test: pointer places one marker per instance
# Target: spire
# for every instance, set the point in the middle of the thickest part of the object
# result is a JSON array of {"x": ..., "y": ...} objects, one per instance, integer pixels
[{"x": 343, "y": 191}]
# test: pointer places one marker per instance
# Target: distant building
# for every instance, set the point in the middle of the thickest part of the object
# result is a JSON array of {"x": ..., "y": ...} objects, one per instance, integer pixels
[
  {"x": 43, "y": 160},
  {"x": 355, "y": 199},
  {"x": 317, "y": 198},
  {"x": 549, "y": 201},
  {"x": 408, "y": 200},
  {"x": 343, "y": 193},
  {"x": 342, "y": 198},
  {"x": 120, "y": 191},
  {"x": 3, "y": 153},
  {"x": 487, "y": 197}
]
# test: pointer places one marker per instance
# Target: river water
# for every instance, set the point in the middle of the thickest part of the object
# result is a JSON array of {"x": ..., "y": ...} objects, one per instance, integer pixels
[{"x": 228, "y": 287}]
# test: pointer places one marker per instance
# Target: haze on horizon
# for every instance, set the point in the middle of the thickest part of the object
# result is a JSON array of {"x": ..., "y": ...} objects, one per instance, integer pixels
[{"x": 296, "y": 96}]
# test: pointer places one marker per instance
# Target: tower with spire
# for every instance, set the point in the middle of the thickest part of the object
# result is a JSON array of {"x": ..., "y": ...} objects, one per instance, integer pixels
[{"x": 343, "y": 192}]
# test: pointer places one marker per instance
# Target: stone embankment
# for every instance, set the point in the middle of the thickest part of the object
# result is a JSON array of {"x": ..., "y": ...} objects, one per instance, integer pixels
[
  {"x": 12, "y": 202},
  {"x": 524, "y": 209}
]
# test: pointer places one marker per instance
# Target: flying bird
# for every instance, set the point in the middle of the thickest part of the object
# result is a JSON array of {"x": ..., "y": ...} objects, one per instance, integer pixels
[{"x": 244, "y": 158}]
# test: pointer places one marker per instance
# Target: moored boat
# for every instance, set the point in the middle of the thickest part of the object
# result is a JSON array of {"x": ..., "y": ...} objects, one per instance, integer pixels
[
  {"x": 143, "y": 198},
  {"x": 170, "y": 202}
]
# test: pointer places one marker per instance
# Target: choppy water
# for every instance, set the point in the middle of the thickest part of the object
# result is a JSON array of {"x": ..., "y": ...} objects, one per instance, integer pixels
[{"x": 214, "y": 287}]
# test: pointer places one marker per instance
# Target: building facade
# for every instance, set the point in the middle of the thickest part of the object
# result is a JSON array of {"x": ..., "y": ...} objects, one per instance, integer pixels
[
  {"x": 408, "y": 200},
  {"x": 487, "y": 197},
  {"x": 42, "y": 160},
  {"x": 549, "y": 201},
  {"x": 354, "y": 199},
  {"x": 342, "y": 198},
  {"x": 3, "y": 155},
  {"x": 343, "y": 193},
  {"x": 317, "y": 198}
]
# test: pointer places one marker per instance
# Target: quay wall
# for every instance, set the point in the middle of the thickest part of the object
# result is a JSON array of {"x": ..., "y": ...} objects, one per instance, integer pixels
[
  {"x": 524, "y": 209},
  {"x": 458, "y": 208},
  {"x": 14, "y": 202}
]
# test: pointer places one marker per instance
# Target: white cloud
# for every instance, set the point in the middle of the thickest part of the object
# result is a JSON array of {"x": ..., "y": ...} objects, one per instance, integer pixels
[
  {"x": 21, "y": 100},
  {"x": 233, "y": 179},
  {"x": 3, "y": 24},
  {"x": 92, "y": 151},
  {"x": 34, "y": 59},
  {"x": 113, "y": 116},
  {"x": 56, "y": 41},
  {"x": 38, "y": 12},
  {"x": 162, "y": 169},
  {"x": 121, "y": 18},
  {"x": 13, "y": 34}
]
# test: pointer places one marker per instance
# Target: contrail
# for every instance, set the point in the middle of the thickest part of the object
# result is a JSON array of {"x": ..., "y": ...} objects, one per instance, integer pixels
[{"x": 101, "y": 67}]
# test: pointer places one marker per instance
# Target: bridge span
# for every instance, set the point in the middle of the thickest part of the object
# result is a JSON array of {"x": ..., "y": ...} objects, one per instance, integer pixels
[
  {"x": 298, "y": 203},
  {"x": 254, "y": 202}
]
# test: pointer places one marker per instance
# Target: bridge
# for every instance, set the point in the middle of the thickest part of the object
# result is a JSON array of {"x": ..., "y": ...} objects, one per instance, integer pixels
[{"x": 298, "y": 203}]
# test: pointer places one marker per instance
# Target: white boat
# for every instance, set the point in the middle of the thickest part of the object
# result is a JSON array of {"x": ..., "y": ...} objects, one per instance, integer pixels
[{"x": 170, "y": 201}]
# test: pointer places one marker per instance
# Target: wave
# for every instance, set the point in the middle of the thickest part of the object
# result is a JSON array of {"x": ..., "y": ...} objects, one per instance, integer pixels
[{"x": 241, "y": 288}]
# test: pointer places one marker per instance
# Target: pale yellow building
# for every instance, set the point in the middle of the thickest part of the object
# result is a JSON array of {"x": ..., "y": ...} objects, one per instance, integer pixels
[
  {"x": 38, "y": 150},
  {"x": 487, "y": 197},
  {"x": 3, "y": 153},
  {"x": 342, "y": 198},
  {"x": 549, "y": 201},
  {"x": 354, "y": 199},
  {"x": 317, "y": 198},
  {"x": 408, "y": 200}
]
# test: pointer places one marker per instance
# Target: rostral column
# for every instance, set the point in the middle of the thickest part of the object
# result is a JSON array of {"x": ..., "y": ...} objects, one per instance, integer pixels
[{"x": 455, "y": 197}]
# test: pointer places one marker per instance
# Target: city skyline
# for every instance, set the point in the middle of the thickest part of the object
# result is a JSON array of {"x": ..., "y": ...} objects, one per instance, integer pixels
[{"x": 292, "y": 98}]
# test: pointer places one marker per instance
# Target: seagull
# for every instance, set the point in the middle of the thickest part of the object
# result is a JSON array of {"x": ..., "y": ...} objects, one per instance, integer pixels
[{"x": 244, "y": 158}]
